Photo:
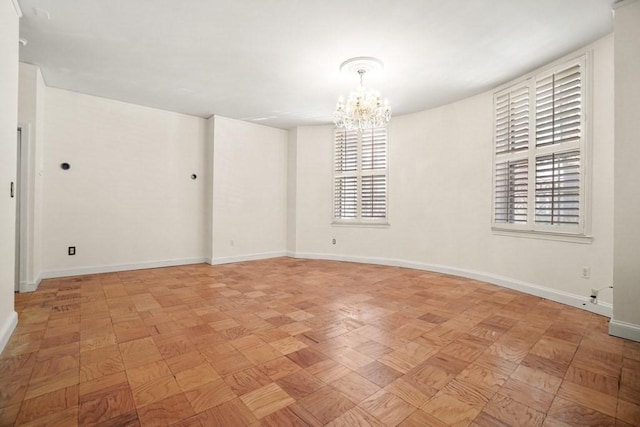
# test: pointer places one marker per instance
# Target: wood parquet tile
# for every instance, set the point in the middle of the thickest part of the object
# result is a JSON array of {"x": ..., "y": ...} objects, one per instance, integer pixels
[
  {"x": 287, "y": 342},
  {"x": 355, "y": 387}
]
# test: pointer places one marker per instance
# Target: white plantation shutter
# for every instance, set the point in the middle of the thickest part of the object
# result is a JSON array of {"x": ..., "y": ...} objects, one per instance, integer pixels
[
  {"x": 512, "y": 121},
  {"x": 511, "y": 192},
  {"x": 559, "y": 107},
  {"x": 374, "y": 175},
  {"x": 374, "y": 149},
  {"x": 346, "y": 197},
  {"x": 346, "y": 178},
  {"x": 558, "y": 188},
  {"x": 511, "y": 168},
  {"x": 346, "y": 152},
  {"x": 559, "y": 136},
  {"x": 374, "y": 196},
  {"x": 539, "y": 152},
  {"x": 360, "y": 176}
]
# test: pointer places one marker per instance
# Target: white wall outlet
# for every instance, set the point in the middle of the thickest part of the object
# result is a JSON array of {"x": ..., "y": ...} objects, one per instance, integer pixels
[
  {"x": 586, "y": 272},
  {"x": 232, "y": 243}
]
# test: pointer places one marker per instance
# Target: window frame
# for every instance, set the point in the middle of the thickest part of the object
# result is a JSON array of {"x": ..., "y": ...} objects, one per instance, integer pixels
[
  {"x": 359, "y": 220},
  {"x": 575, "y": 233}
]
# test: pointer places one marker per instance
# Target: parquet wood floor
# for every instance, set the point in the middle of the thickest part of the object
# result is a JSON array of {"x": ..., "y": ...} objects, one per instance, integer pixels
[{"x": 300, "y": 342}]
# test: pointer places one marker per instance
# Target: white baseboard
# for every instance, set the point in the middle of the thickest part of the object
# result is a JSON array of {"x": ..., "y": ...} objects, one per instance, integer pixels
[
  {"x": 120, "y": 267},
  {"x": 29, "y": 287},
  {"x": 578, "y": 301},
  {"x": 249, "y": 257},
  {"x": 602, "y": 308},
  {"x": 7, "y": 329},
  {"x": 626, "y": 330}
]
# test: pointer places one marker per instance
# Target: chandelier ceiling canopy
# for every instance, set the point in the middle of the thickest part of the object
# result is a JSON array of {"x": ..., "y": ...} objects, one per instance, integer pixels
[{"x": 363, "y": 109}]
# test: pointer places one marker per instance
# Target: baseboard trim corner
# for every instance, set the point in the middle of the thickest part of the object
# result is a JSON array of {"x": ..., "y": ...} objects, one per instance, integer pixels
[
  {"x": 29, "y": 287},
  {"x": 249, "y": 257},
  {"x": 625, "y": 330},
  {"x": 7, "y": 329}
]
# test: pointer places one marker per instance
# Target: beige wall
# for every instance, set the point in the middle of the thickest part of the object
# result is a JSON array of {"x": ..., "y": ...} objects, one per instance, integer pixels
[
  {"x": 128, "y": 200},
  {"x": 249, "y": 214}
]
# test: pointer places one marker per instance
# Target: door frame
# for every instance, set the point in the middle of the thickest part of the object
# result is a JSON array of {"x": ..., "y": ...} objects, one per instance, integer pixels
[{"x": 22, "y": 207}]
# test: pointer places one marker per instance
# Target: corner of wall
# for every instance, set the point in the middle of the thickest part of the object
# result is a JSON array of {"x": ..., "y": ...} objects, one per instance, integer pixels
[
  {"x": 31, "y": 119},
  {"x": 211, "y": 125},
  {"x": 7, "y": 329},
  {"x": 292, "y": 188}
]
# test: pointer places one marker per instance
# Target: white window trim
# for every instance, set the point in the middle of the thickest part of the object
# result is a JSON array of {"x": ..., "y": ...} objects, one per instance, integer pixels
[
  {"x": 360, "y": 222},
  {"x": 582, "y": 232}
]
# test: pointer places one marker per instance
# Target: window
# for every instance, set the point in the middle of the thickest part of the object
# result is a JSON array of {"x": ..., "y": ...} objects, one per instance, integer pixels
[
  {"x": 360, "y": 176},
  {"x": 539, "y": 156}
]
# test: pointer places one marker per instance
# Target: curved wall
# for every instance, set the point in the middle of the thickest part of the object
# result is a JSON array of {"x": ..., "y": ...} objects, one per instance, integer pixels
[{"x": 440, "y": 202}]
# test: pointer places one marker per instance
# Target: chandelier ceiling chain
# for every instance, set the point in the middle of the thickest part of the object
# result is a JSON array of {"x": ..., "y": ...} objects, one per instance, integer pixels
[{"x": 364, "y": 108}]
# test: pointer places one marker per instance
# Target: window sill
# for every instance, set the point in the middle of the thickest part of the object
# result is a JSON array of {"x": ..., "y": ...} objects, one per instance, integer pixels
[
  {"x": 361, "y": 224},
  {"x": 544, "y": 235}
]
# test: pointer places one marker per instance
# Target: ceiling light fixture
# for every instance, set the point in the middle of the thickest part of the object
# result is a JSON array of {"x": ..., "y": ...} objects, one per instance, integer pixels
[{"x": 363, "y": 109}]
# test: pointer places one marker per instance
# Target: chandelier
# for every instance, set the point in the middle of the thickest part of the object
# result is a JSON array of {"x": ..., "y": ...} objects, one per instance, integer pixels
[{"x": 363, "y": 109}]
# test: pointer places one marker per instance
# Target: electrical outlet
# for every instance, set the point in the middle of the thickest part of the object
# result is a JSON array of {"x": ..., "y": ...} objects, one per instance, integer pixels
[
  {"x": 232, "y": 243},
  {"x": 586, "y": 272},
  {"x": 71, "y": 250},
  {"x": 333, "y": 241}
]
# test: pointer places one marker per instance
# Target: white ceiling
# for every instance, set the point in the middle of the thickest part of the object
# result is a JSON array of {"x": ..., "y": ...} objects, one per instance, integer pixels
[{"x": 276, "y": 62}]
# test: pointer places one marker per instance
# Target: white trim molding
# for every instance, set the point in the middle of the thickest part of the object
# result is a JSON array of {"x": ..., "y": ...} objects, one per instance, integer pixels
[
  {"x": 7, "y": 329},
  {"x": 578, "y": 301},
  {"x": 120, "y": 267},
  {"x": 249, "y": 257},
  {"x": 29, "y": 287},
  {"x": 626, "y": 330}
]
